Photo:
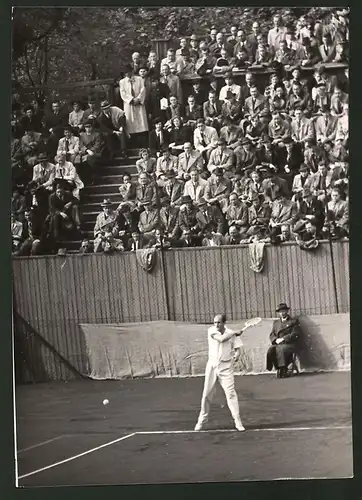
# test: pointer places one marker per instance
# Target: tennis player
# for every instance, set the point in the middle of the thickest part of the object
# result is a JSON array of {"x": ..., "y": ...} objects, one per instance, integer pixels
[{"x": 224, "y": 347}]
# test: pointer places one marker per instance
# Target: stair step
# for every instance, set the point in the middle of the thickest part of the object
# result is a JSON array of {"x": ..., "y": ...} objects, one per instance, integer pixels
[
  {"x": 117, "y": 170},
  {"x": 110, "y": 192},
  {"x": 111, "y": 179}
]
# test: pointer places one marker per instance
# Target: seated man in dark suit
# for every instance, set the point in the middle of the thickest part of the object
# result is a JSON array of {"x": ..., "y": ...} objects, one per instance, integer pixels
[{"x": 283, "y": 337}]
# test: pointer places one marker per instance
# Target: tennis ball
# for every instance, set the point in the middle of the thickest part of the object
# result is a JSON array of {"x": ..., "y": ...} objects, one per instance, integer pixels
[{"x": 105, "y": 402}]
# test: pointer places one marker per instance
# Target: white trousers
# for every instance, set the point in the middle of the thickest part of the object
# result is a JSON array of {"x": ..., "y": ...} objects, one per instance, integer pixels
[{"x": 223, "y": 372}]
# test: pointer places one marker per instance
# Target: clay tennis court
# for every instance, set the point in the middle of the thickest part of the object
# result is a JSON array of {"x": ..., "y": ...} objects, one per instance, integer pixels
[{"x": 298, "y": 427}]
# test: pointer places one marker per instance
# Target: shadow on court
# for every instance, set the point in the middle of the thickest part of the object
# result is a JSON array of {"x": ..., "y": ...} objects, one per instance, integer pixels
[{"x": 296, "y": 428}]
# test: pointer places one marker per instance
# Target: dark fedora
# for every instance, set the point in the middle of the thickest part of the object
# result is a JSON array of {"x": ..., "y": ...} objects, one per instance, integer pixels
[
  {"x": 42, "y": 157},
  {"x": 105, "y": 105},
  {"x": 106, "y": 203},
  {"x": 201, "y": 202},
  {"x": 282, "y": 307},
  {"x": 303, "y": 168},
  {"x": 186, "y": 199},
  {"x": 218, "y": 172}
]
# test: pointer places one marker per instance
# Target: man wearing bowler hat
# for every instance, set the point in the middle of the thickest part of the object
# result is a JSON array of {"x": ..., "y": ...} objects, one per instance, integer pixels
[
  {"x": 105, "y": 227},
  {"x": 283, "y": 337},
  {"x": 113, "y": 126}
]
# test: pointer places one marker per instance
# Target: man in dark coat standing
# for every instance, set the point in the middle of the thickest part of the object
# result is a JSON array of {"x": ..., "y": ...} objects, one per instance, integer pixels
[{"x": 284, "y": 336}]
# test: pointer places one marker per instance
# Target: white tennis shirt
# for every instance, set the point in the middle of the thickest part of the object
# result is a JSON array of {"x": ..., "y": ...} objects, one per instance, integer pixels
[{"x": 222, "y": 351}]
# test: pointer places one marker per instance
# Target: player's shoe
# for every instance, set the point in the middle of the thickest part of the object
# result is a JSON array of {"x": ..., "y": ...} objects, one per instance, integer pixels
[
  {"x": 198, "y": 427},
  {"x": 239, "y": 426}
]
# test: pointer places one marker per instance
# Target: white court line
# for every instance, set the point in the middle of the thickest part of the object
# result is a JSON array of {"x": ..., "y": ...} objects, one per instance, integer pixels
[
  {"x": 270, "y": 429},
  {"x": 143, "y": 433},
  {"x": 42, "y": 443},
  {"x": 77, "y": 456}
]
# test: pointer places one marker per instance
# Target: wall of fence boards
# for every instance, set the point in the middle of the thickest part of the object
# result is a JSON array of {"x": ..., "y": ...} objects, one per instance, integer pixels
[{"x": 56, "y": 294}]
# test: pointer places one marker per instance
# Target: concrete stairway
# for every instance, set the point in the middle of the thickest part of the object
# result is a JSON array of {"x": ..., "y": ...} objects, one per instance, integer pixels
[{"x": 107, "y": 183}]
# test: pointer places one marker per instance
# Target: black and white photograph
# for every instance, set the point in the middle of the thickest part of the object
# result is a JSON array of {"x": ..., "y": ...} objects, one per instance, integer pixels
[{"x": 180, "y": 245}]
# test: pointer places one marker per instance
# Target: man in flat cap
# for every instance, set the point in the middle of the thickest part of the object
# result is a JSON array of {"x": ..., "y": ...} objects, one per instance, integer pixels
[{"x": 283, "y": 337}]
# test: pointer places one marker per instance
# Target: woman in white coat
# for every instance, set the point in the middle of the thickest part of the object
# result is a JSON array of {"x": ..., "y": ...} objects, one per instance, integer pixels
[{"x": 133, "y": 94}]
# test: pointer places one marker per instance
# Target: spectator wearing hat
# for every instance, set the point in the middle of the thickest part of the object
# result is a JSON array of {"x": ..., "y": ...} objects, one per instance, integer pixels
[
  {"x": 209, "y": 217},
  {"x": 66, "y": 174},
  {"x": 205, "y": 138},
  {"x": 309, "y": 209},
  {"x": 254, "y": 184},
  {"x": 178, "y": 135},
  {"x": 105, "y": 226},
  {"x": 325, "y": 126},
  {"x": 112, "y": 123},
  {"x": 18, "y": 204},
  {"x": 169, "y": 215},
  {"x": 62, "y": 220},
  {"x": 266, "y": 152},
  {"x": 91, "y": 146},
  {"x": 193, "y": 112},
  {"x": 69, "y": 144},
  {"x": 230, "y": 86},
  {"x": 254, "y": 104},
  {"x": 198, "y": 91},
  {"x": 299, "y": 181},
  {"x": 231, "y": 134},
  {"x": 149, "y": 219},
  {"x": 158, "y": 138},
  {"x": 187, "y": 216},
  {"x": 146, "y": 163},
  {"x": 245, "y": 155},
  {"x": 189, "y": 160},
  {"x": 277, "y": 33},
  {"x": 146, "y": 190},
  {"x": 172, "y": 81},
  {"x": 283, "y": 338},
  {"x": 212, "y": 110},
  {"x": 259, "y": 213},
  {"x": 237, "y": 214},
  {"x": 221, "y": 157},
  {"x": 75, "y": 119},
  {"x": 30, "y": 121},
  {"x": 165, "y": 163},
  {"x": 173, "y": 187},
  {"x": 195, "y": 186},
  {"x": 337, "y": 220},
  {"x": 91, "y": 113},
  {"x": 218, "y": 189},
  {"x": 231, "y": 109},
  {"x": 274, "y": 186},
  {"x": 127, "y": 189},
  {"x": 43, "y": 176}
]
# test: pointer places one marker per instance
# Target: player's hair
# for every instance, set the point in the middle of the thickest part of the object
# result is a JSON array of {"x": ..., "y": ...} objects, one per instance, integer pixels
[{"x": 223, "y": 317}]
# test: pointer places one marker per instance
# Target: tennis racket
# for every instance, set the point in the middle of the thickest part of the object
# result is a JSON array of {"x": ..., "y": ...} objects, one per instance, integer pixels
[{"x": 251, "y": 322}]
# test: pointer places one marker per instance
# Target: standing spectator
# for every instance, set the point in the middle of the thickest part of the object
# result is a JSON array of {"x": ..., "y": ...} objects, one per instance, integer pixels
[
  {"x": 195, "y": 187},
  {"x": 172, "y": 81},
  {"x": 277, "y": 33},
  {"x": 328, "y": 49},
  {"x": 252, "y": 38},
  {"x": 153, "y": 65},
  {"x": 112, "y": 122},
  {"x": 55, "y": 121},
  {"x": 136, "y": 63},
  {"x": 205, "y": 61},
  {"x": 133, "y": 94},
  {"x": 183, "y": 46},
  {"x": 158, "y": 138},
  {"x": 311, "y": 55},
  {"x": 91, "y": 113},
  {"x": 218, "y": 189},
  {"x": 189, "y": 160},
  {"x": 91, "y": 146},
  {"x": 76, "y": 117},
  {"x": 215, "y": 48},
  {"x": 284, "y": 55},
  {"x": 176, "y": 64},
  {"x": 237, "y": 214}
]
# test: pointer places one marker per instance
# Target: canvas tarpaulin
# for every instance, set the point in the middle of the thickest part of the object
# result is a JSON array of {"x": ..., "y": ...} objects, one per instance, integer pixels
[{"x": 175, "y": 349}]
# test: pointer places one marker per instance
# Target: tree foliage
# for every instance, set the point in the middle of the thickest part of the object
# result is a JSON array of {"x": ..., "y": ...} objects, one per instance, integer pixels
[{"x": 59, "y": 45}]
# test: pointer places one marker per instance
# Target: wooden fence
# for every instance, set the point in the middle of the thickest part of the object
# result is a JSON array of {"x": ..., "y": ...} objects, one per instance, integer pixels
[{"x": 55, "y": 294}]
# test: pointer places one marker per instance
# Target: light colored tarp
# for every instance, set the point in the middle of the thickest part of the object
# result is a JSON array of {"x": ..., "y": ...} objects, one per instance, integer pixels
[{"x": 173, "y": 349}]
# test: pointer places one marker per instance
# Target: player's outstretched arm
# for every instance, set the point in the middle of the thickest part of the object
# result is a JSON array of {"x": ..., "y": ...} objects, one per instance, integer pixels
[{"x": 222, "y": 337}]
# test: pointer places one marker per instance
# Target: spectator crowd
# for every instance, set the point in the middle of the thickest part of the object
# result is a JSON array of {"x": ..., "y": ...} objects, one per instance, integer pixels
[{"x": 225, "y": 159}]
